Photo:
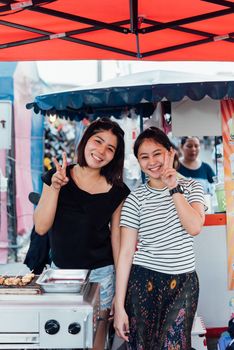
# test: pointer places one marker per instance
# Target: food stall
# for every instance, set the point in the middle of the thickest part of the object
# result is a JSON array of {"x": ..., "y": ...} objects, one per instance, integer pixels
[{"x": 144, "y": 91}]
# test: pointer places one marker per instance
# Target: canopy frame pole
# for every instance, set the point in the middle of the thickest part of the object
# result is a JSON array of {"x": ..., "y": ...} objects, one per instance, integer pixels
[
  {"x": 47, "y": 35},
  {"x": 188, "y": 20},
  {"x": 80, "y": 19},
  {"x": 13, "y": 5},
  {"x": 94, "y": 28},
  {"x": 139, "y": 55},
  {"x": 187, "y": 30},
  {"x": 133, "y": 16},
  {"x": 221, "y": 2},
  {"x": 134, "y": 24},
  {"x": 182, "y": 46}
]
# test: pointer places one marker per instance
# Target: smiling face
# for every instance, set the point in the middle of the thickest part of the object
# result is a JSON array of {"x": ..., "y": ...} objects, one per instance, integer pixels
[
  {"x": 151, "y": 156},
  {"x": 191, "y": 149},
  {"x": 100, "y": 149}
]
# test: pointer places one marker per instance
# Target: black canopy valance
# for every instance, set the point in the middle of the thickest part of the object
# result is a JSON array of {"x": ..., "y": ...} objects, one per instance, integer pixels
[{"x": 141, "y": 91}]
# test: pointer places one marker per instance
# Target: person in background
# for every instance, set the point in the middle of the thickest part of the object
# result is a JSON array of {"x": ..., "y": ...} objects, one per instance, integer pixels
[
  {"x": 192, "y": 166},
  {"x": 156, "y": 284},
  {"x": 81, "y": 204}
]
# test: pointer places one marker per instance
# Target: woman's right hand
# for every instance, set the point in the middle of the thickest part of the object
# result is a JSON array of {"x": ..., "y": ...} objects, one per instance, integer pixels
[
  {"x": 121, "y": 324},
  {"x": 59, "y": 178}
]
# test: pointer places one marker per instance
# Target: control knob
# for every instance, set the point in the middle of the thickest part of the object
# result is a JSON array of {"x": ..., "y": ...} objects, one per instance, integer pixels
[
  {"x": 52, "y": 327},
  {"x": 74, "y": 328}
]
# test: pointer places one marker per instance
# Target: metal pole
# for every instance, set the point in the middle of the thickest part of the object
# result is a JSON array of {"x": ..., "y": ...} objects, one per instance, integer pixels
[
  {"x": 99, "y": 70},
  {"x": 216, "y": 159},
  {"x": 12, "y": 193}
]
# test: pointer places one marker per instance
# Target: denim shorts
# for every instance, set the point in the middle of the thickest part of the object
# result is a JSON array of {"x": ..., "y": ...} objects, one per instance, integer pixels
[{"x": 106, "y": 277}]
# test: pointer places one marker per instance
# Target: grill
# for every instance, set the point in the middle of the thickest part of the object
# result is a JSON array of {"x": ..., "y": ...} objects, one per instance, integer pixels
[{"x": 58, "y": 319}]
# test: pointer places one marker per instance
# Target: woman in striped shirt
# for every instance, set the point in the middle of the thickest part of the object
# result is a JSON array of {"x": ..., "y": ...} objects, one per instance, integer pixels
[{"x": 156, "y": 284}]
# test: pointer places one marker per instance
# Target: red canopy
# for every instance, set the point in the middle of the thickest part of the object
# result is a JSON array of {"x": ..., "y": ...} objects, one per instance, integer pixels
[{"x": 157, "y": 30}]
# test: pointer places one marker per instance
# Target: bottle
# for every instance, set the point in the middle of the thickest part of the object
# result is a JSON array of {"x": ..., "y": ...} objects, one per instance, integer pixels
[
  {"x": 231, "y": 306},
  {"x": 231, "y": 127},
  {"x": 220, "y": 196}
]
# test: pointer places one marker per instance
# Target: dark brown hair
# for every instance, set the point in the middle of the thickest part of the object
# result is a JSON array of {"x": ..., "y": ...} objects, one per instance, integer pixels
[
  {"x": 185, "y": 138},
  {"x": 158, "y": 136},
  {"x": 113, "y": 171}
]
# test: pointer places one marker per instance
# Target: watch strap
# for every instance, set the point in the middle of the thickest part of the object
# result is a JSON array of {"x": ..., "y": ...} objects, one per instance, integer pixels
[{"x": 177, "y": 189}]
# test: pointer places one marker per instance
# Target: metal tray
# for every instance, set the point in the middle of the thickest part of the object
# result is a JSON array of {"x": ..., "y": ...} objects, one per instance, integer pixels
[{"x": 63, "y": 281}]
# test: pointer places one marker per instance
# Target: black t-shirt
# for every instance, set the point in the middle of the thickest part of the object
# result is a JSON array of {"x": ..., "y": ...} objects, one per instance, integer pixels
[{"x": 80, "y": 237}]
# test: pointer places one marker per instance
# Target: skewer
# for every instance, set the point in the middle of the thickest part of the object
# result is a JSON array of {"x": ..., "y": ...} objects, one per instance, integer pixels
[
  {"x": 4, "y": 274},
  {"x": 17, "y": 280},
  {"x": 27, "y": 278},
  {"x": 2, "y": 278},
  {"x": 13, "y": 281},
  {"x": 19, "y": 273}
]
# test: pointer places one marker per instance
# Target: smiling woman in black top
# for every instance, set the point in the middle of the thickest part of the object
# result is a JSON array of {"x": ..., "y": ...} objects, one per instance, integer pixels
[{"x": 81, "y": 205}]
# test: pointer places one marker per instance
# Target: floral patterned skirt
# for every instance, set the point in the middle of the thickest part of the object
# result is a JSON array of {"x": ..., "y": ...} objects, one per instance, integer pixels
[{"x": 161, "y": 309}]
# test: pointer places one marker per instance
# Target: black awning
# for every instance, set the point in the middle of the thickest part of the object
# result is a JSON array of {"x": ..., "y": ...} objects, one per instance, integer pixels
[{"x": 137, "y": 90}]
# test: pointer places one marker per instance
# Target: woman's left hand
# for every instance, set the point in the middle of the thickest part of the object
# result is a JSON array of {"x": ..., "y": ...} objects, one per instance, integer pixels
[{"x": 168, "y": 175}]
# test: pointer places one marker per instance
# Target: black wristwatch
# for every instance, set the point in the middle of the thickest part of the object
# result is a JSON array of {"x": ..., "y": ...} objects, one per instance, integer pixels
[{"x": 177, "y": 189}]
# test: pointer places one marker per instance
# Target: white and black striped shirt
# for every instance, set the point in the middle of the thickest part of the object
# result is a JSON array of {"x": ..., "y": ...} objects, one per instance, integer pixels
[{"x": 163, "y": 244}]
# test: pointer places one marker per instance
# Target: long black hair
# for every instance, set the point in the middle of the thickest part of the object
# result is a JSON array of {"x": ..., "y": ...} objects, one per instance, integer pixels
[
  {"x": 113, "y": 171},
  {"x": 158, "y": 136}
]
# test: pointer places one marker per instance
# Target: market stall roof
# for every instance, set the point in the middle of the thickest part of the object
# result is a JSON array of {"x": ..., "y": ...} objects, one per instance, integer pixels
[
  {"x": 139, "y": 90},
  {"x": 125, "y": 29}
]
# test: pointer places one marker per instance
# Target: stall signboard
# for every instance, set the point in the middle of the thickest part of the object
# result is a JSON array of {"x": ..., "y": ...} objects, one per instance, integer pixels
[
  {"x": 227, "y": 110},
  {"x": 5, "y": 124}
]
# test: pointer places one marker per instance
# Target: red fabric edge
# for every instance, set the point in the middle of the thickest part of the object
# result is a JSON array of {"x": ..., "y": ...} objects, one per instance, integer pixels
[{"x": 215, "y": 332}]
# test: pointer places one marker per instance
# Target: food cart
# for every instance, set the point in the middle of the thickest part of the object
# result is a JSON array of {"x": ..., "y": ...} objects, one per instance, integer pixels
[{"x": 58, "y": 309}]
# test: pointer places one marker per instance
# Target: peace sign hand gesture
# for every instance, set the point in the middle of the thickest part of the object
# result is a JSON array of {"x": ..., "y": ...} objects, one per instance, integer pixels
[
  {"x": 168, "y": 175},
  {"x": 59, "y": 178}
]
